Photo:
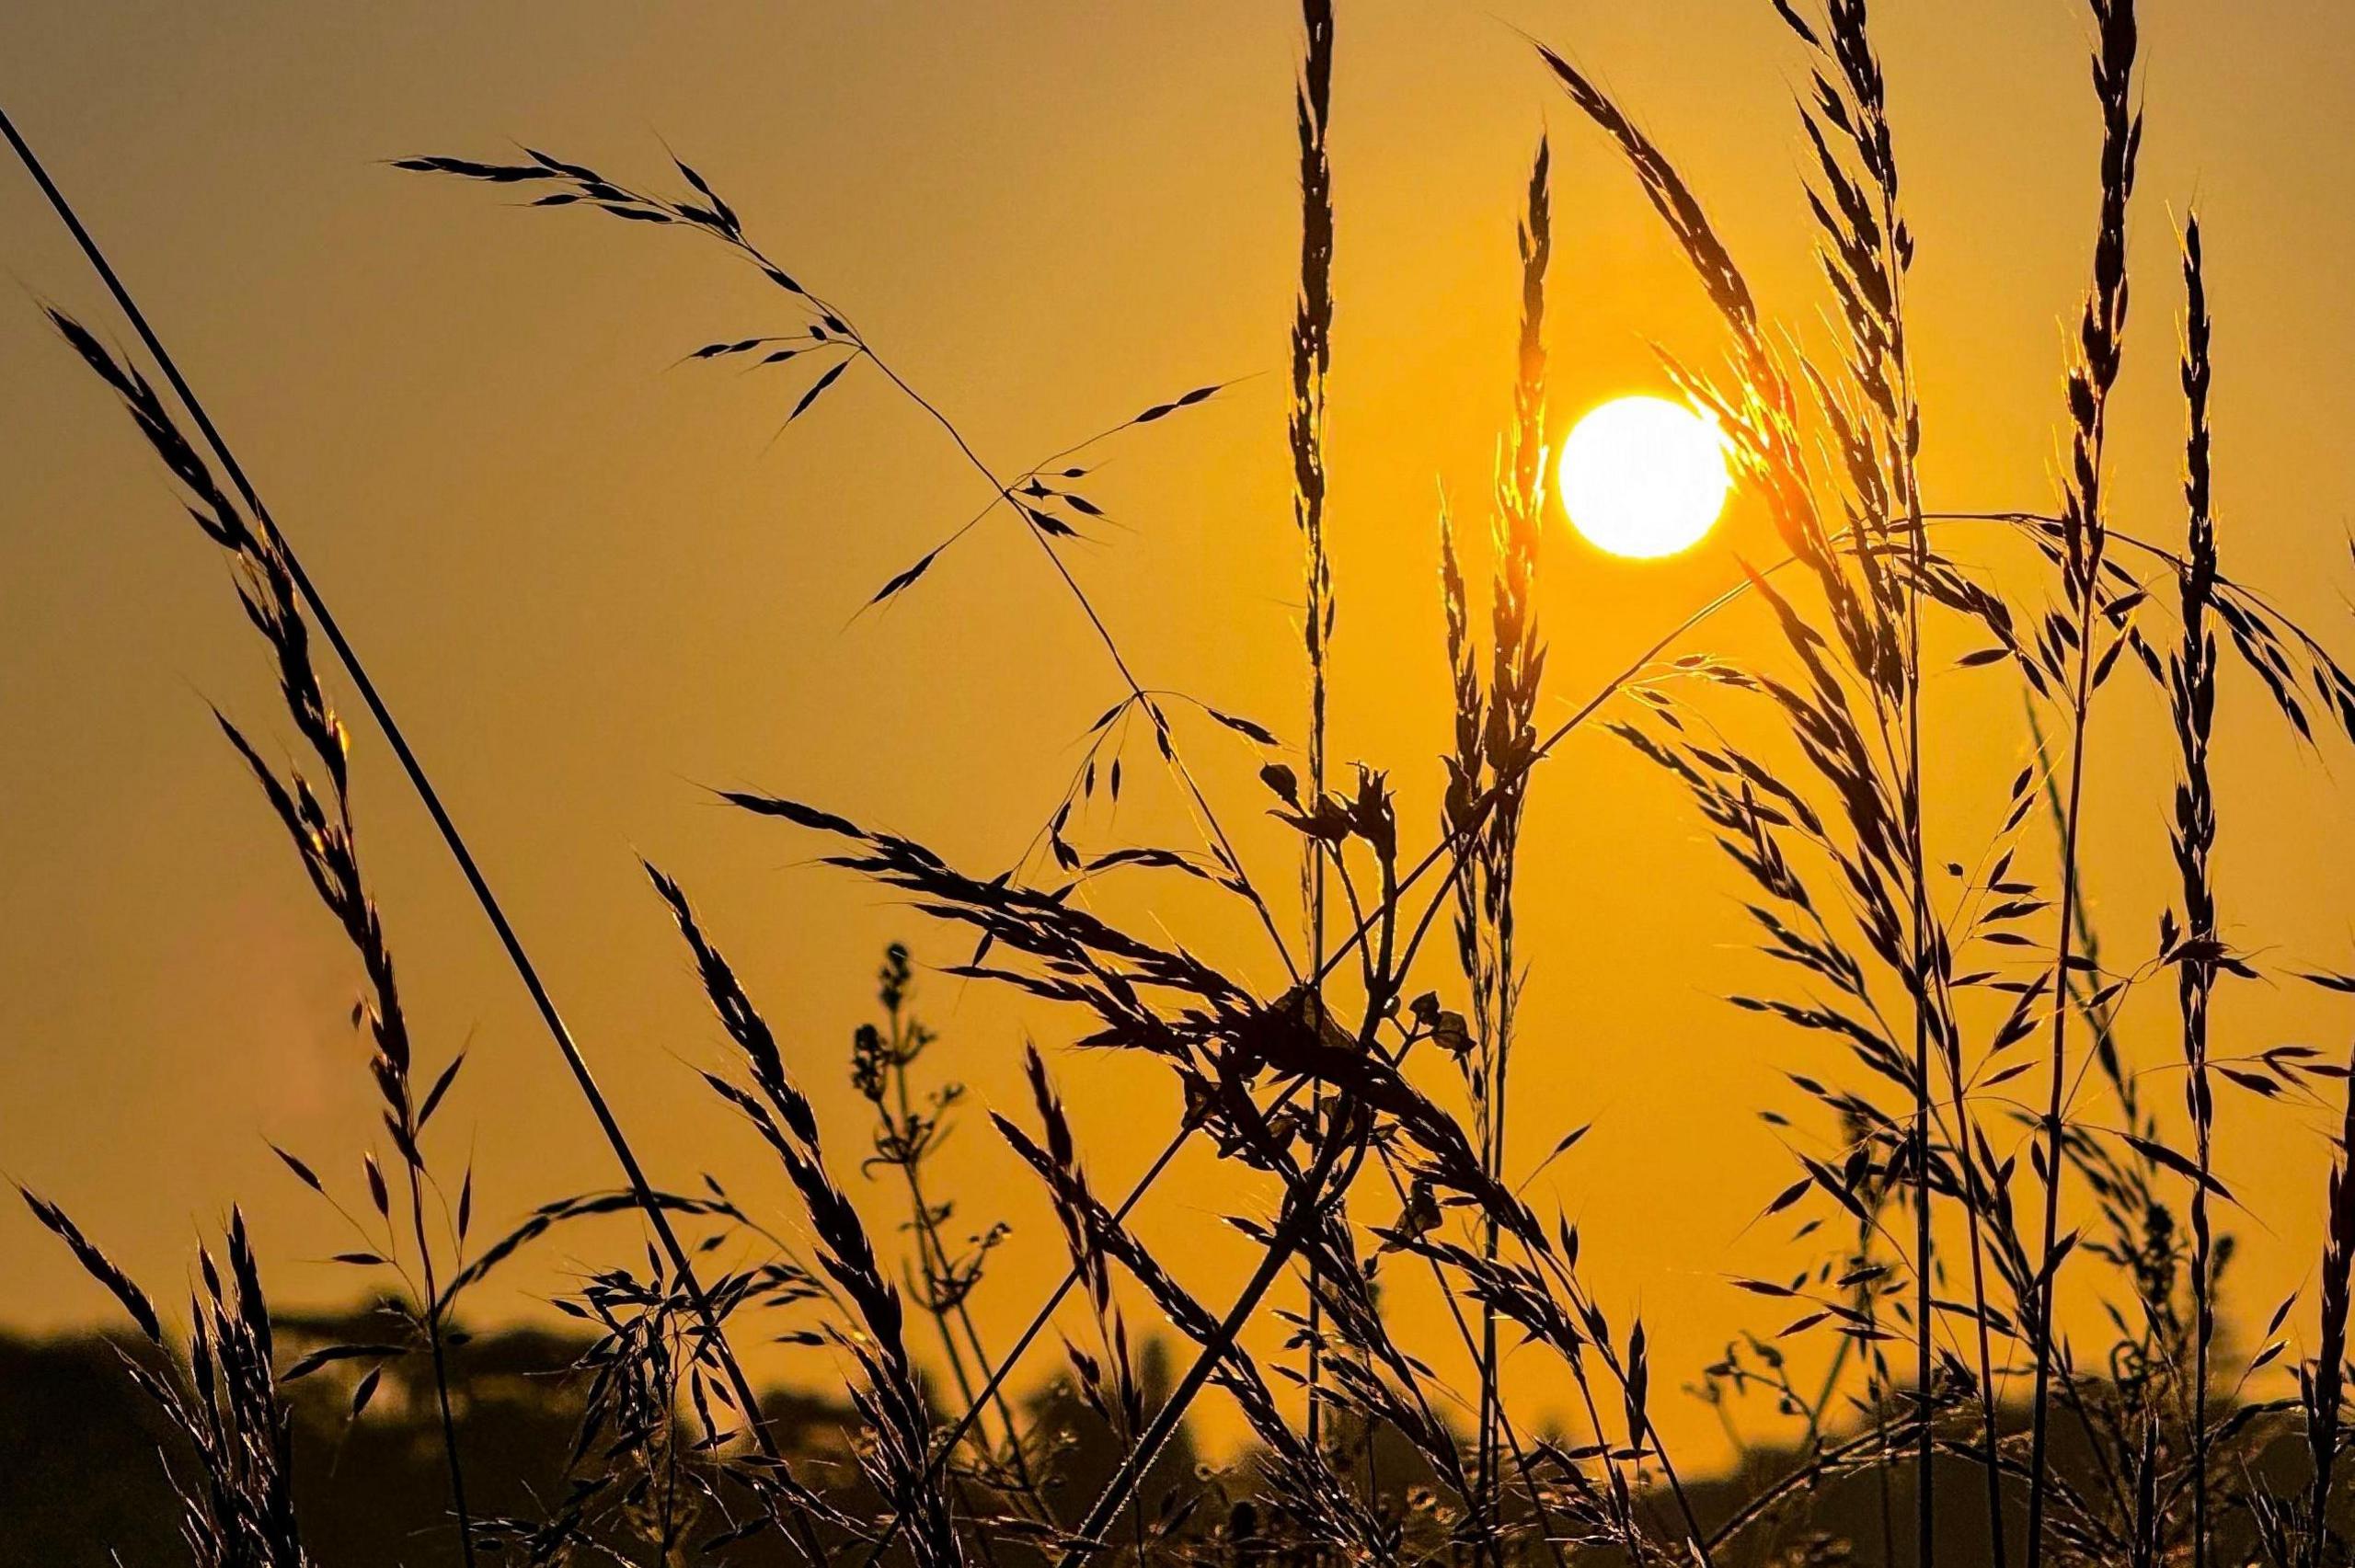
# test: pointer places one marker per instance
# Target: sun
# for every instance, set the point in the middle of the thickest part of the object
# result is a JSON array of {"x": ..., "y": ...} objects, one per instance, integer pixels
[{"x": 1644, "y": 476}]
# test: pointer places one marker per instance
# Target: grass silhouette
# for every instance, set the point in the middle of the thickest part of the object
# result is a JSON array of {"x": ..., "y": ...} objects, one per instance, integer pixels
[{"x": 1371, "y": 1093}]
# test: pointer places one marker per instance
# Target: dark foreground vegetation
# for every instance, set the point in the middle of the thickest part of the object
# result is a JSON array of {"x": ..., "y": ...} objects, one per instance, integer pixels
[
  {"x": 83, "y": 1481},
  {"x": 1989, "y": 1163}
]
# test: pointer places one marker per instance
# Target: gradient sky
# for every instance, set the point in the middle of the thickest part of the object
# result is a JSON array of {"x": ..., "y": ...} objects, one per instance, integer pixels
[{"x": 592, "y": 587}]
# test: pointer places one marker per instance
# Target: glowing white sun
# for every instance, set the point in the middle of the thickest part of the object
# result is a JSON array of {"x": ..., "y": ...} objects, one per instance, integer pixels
[{"x": 1644, "y": 476}]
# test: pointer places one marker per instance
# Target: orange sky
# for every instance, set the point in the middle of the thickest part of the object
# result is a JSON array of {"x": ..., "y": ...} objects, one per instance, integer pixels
[{"x": 592, "y": 587}]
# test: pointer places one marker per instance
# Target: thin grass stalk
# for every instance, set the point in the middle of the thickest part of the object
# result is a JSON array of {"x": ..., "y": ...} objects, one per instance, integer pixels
[
  {"x": 880, "y": 1063},
  {"x": 1308, "y": 1204},
  {"x": 1877, "y": 1391},
  {"x": 326, "y": 837},
  {"x": 1573, "y": 1325},
  {"x": 1519, "y": 662},
  {"x": 322, "y": 828},
  {"x": 2192, "y": 692},
  {"x": 1907, "y": 436},
  {"x": 831, "y": 331},
  {"x": 932, "y": 1256},
  {"x": 508, "y": 940},
  {"x": 1893, "y": 382},
  {"x": 1096, "y": 1240},
  {"x": 1122, "y": 1403},
  {"x": 2084, "y": 539},
  {"x": 1631, "y": 1372},
  {"x": 1311, "y": 358},
  {"x": 2322, "y": 1386},
  {"x": 436, "y": 1342},
  {"x": 892, "y": 1400},
  {"x": 933, "y": 1261},
  {"x": 1866, "y": 253},
  {"x": 1030, "y": 1332},
  {"x": 1221, "y": 846},
  {"x": 1464, "y": 772},
  {"x": 2096, "y": 1003},
  {"x": 1504, "y": 1420},
  {"x": 1976, "y": 1199}
]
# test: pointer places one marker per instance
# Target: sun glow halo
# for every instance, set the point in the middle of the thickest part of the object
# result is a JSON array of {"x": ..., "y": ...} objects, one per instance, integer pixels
[{"x": 1643, "y": 476}]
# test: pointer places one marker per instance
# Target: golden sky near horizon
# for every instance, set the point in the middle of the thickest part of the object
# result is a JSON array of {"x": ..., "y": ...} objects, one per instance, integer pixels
[{"x": 592, "y": 587}]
